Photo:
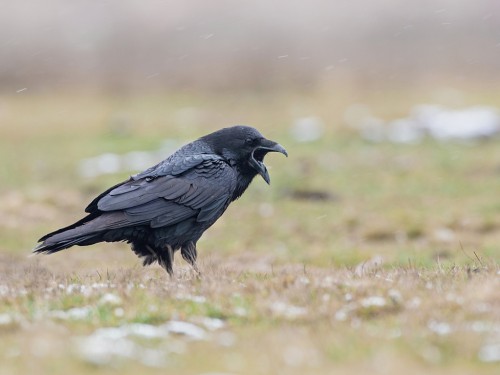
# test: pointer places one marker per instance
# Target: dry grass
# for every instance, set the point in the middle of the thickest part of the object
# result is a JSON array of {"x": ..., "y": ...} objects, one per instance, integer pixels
[
  {"x": 292, "y": 318},
  {"x": 359, "y": 258}
]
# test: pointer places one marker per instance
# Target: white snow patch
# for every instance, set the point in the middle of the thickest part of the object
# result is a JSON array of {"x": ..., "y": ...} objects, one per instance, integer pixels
[
  {"x": 86, "y": 290},
  {"x": 145, "y": 331},
  {"x": 102, "y": 350},
  {"x": 76, "y": 313},
  {"x": 440, "y": 328},
  {"x": 240, "y": 311},
  {"x": 288, "y": 311},
  {"x": 119, "y": 312},
  {"x": 373, "y": 301},
  {"x": 490, "y": 353},
  {"x": 189, "y": 297},
  {"x": 108, "y": 344},
  {"x": 479, "y": 326},
  {"x": 443, "y": 124},
  {"x": 213, "y": 324},
  {"x": 4, "y": 290},
  {"x": 341, "y": 315},
  {"x": 189, "y": 330},
  {"x": 414, "y": 303},
  {"x": 5, "y": 319},
  {"x": 109, "y": 163},
  {"x": 444, "y": 235},
  {"x": 226, "y": 339},
  {"x": 110, "y": 299},
  {"x": 307, "y": 129}
]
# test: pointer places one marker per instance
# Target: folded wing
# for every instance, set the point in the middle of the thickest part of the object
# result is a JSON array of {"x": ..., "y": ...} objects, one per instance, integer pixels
[{"x": 202, "y": 191}]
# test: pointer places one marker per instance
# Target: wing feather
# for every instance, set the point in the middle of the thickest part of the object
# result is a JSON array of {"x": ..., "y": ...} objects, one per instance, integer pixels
[
  {"x": 202, "y": 192},
  {"x": 212, "y": 210}
]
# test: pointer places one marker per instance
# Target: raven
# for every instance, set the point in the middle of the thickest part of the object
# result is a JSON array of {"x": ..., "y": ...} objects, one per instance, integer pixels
[{"x": 168, "y": 206}]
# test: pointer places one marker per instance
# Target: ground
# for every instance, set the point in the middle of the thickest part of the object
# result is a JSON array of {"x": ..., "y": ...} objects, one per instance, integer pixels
[{"x": 359, "y": 257}]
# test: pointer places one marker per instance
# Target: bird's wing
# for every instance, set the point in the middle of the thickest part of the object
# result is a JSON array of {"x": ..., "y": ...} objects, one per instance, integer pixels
[
  {"x": 200, "y": 191},
  {"x": 172, "y": 166},
  {"x": 175, "y": 165}
]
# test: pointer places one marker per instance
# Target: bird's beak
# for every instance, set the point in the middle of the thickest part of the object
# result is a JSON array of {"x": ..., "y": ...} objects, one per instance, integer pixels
[{"x": 265, "y": 147}]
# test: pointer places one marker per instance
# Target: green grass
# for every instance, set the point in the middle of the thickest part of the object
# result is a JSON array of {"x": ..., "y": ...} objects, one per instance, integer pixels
[{"x": 393, "y": 269}]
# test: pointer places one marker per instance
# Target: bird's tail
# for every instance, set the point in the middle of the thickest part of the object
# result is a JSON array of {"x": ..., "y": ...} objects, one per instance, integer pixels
[{"x": 87, "y": 231}]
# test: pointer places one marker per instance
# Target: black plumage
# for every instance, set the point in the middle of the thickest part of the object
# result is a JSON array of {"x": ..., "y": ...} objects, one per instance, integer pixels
[{"x": 168, "y": 207}]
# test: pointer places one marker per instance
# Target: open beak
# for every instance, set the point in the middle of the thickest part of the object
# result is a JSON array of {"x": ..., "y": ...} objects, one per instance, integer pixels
[{"x": 257, "y": 162}]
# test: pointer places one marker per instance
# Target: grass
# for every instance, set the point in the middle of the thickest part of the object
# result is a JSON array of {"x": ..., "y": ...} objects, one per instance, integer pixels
[{"x": 359, "y": 257}]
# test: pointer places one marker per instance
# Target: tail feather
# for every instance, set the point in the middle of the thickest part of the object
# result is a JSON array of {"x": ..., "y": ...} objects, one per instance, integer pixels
[
  {"x": 79, "y": 223},
  {"x": 50, "y": 247},
  {"x": 86, "y": 231}
]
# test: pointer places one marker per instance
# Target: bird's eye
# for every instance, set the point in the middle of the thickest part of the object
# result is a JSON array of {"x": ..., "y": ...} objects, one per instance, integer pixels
[{"x": 249, "y": 141}]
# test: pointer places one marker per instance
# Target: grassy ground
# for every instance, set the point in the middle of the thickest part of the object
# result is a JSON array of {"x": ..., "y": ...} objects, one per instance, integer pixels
[{"x": 359, "y": 257}]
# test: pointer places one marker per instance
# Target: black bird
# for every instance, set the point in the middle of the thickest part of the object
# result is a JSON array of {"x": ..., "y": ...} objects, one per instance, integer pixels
[{"x": 168, "y": 206}]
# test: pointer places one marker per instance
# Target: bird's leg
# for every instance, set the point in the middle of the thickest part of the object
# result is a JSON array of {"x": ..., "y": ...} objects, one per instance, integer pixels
[
  {"x": 166, "y": 259},
  {"x": 148, "y": 259},
  {"x": 190, "y": 254}
]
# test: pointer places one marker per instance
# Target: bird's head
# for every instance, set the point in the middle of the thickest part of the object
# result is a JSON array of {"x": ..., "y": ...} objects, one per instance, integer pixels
[{"x": 245, "y": 148}]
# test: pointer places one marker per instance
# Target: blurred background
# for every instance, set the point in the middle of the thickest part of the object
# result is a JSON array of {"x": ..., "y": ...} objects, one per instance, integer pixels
[
  {"x": 118, "y": 46},
  {"x": 374, "y": 99},
  {"x": 383, "y": 105}
]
